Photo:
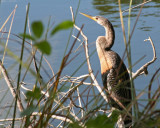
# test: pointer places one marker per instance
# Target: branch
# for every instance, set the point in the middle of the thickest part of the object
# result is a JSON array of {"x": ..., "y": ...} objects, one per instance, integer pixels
[
  {"x": 76, "y": 79},
  {"x": 58, "y": 117},
  {"x": 8, "y": 18},
  {"x": 143, "y": 69},
  {"x": 136, "y": 6},
  {"x": 10, "y": 85},
  {"x": 27, "y": 89}
]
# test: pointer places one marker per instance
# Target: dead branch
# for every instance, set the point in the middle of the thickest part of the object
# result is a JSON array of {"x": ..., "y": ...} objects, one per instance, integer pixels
[
  {"x": 26, "y": 89},
  {"x": 8, "y": 18},
  {"x": 14, "y": 11},
  {"x": 143, "y": 69},
  {"x": 137, "y": 6},
  {"x": 76, "y": 79},
  {"x": 11, "y": 87},
  {"x": 58, "y": 117}
]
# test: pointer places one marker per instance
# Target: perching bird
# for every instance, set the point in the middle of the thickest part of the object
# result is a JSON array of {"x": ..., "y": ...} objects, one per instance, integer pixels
[{"x": 115, "y": 76}]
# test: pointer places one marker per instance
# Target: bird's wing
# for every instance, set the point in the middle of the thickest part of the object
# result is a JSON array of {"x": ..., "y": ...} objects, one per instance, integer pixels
[
  {"x": 124, "y": 82},
  {"x": 118, "y": 85}
]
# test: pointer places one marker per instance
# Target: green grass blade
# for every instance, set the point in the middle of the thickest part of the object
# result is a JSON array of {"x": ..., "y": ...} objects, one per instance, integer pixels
[{"x": 20, "y": 66}]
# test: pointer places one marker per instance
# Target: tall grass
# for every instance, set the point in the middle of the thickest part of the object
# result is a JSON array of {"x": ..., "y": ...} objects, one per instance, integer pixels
[{"x": 68, "y": 101}]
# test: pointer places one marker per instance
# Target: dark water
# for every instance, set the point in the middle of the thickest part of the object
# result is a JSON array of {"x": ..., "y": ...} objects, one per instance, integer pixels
[{"x": 148, "y": 25}]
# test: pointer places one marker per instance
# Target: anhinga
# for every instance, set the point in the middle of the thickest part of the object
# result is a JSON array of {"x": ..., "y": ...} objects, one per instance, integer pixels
[{"x": 114, "y": 73}]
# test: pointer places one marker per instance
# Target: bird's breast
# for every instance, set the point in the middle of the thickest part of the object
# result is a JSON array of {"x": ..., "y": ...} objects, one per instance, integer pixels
[{"x": 106, "y": 64}]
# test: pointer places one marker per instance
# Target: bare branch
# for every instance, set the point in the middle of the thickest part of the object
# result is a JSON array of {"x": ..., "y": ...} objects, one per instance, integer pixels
[
  {"x": 42, "y": 92},
  {"x": 137, "y": 6},
  {"x": 10, "y": 85},
  {"x": 58, "y": 117},
  {"x": 14, "y": 11},
  {"x": 8, "y": 18},
  {"x": 143, "y": 69},
  {"x": 76, "y": 79},
  {"x": 80, "y": 104}
]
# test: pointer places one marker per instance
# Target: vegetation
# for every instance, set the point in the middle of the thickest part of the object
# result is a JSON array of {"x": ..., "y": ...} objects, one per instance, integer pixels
[{"x": 69, "y": 101}]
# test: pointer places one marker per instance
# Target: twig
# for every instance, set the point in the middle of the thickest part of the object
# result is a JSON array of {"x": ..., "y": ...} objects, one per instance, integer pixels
[
  {"x": 10, "y": 85},
  {"x": 80, "y": 104},
  {"x": 64, "y": 96},
  {"x": 76, "y": 38},
  {"x": 79, "y": 47},
  {"x": 14, "y": 11},
  {"x": 77, "y": 82},
  {"x": 42, "y": 92},
  {"x": 143, "y": 69},
  {"x": 8, "y": 18},
  {"x": 10, "y": 119},
  {"x": 136, "y": 6},
  {"x": 73, "y": 104},
  {"x": 58, "y": 117},
  {"x": 76, "y": 79}
]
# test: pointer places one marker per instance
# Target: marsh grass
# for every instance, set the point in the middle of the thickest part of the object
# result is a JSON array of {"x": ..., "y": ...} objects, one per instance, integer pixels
[{"x": 68, "y": 101}]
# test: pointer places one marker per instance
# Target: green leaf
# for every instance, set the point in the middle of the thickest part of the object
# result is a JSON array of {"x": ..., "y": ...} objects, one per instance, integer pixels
[
  {"x": 44, "y": 47},
  {"x": 35, "y": 94},
  {"x": 29, "y": 110},
  {"x": 62, "y": 26},
  {"x": 37, "y": 28},
  {"x": 102, "y": 121},
  {"x": 27, "y": 36},
  {"x": 74, "y": 125},
  {"x": 29, "y": 95}
]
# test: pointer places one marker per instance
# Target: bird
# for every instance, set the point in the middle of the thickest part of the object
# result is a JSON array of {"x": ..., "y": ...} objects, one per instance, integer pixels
[{"x": 115, "y": 77}]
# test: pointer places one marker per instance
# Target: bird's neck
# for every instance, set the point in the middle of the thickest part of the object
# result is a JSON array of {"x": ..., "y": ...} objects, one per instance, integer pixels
[{"x": 110, "y": 36}]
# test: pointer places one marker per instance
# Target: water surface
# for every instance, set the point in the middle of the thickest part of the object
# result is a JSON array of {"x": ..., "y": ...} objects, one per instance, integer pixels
[{"x": 147, "y": 25}]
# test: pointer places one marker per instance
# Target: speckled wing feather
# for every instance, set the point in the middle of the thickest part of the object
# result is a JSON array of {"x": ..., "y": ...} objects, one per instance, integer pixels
[{"x": 117, "y": 82}]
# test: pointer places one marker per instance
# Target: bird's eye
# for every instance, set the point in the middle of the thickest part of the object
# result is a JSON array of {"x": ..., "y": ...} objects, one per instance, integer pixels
[{"x": 96, "y": 18}]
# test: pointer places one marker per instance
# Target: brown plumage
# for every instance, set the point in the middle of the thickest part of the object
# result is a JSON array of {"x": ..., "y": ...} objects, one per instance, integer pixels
[{"x": 114, "y": 73}]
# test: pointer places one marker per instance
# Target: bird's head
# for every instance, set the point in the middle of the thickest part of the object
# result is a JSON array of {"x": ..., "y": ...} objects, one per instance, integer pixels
[
  {"x": 106, "y": 41},
  {"x": 99, "y": 19}
]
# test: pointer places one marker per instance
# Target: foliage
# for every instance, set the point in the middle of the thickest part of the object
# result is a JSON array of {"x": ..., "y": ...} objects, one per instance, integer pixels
[
  {"x": 62, "y": 26},
  {"x": 103, "y": 121}
]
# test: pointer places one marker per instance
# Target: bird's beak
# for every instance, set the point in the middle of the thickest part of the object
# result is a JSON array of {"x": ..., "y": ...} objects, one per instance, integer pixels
[{"x": 91, "y": 17}]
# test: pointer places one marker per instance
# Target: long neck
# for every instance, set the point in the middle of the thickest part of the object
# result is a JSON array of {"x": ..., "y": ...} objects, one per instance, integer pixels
[{"x": 110, "y": 35}]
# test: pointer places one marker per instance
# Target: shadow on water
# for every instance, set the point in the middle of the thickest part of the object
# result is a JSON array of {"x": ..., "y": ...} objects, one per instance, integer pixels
[{"x": 110, "y": 7}]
